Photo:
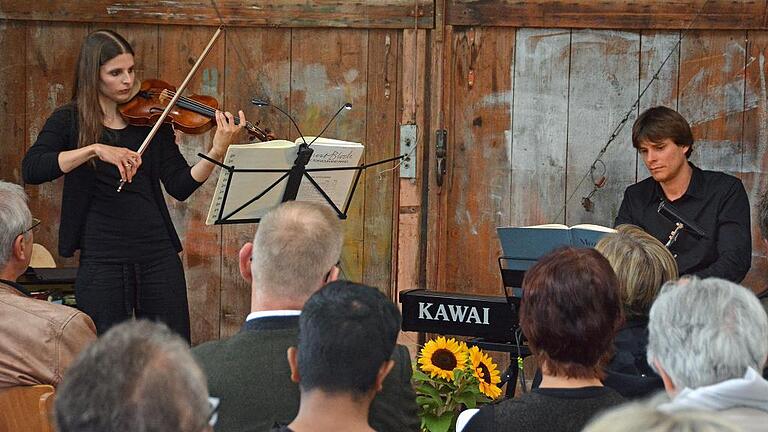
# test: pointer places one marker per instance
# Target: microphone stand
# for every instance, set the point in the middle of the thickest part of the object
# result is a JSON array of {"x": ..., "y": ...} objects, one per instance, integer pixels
[
  {"x": 673, "y": 215},
  {"x": 299, "y": 169}
]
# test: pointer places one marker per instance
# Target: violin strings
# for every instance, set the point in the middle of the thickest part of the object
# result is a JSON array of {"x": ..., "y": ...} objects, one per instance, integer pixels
[
  {"x": 206, "y": 110},
  {"x": 202, "y": 107}
]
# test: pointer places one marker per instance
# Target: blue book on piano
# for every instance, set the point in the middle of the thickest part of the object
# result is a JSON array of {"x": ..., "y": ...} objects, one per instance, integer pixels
[{"x": 523, "y": 246}]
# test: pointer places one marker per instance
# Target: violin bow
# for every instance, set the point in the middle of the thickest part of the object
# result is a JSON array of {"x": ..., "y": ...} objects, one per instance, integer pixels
[{"x": 176, "y": 97}]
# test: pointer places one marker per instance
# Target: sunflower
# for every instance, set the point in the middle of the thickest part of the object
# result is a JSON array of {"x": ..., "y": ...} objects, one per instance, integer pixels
[
  {"x": 486, "y": 372},
  {"x": 440, "y": 357}
]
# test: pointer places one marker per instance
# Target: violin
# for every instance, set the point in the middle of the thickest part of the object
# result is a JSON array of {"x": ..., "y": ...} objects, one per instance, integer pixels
[{"x": 193, "y": 114}]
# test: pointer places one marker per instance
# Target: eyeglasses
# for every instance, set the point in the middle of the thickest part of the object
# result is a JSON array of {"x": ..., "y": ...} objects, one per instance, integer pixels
[{"x": 35, "y": 223}]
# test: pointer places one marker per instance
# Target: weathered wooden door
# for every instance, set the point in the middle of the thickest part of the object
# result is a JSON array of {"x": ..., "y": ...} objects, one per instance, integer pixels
[{"x": 529, "y": 114}]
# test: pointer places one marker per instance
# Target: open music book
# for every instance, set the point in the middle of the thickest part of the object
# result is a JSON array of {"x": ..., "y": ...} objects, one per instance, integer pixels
[
  {"x": 528, "y": 244},
  {"x": 280, "y": 155}
]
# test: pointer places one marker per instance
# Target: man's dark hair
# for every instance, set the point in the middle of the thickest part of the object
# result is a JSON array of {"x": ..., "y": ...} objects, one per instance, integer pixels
[
  {"x": 659, "y": 123},
  {"x": 346, "y": 332},
  {"x": 139, "y": 377}
]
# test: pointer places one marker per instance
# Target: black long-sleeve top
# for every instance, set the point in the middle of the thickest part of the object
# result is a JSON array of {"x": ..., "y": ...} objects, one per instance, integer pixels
[
  {"x": 162, "y": 161},
  {"x": 718, "y": 203},
  {"x": 545, "y": 410}
]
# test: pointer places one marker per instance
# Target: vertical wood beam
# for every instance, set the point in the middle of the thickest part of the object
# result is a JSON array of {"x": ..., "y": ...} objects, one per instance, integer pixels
[{"x": 414, "y": 54}]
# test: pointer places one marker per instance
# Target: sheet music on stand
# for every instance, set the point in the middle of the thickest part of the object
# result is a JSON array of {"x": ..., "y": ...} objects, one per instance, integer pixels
[
  {"x": 244, "y": 195},
  {"x": 250, "y": 168},
  {"x": 283, "y": 171}
]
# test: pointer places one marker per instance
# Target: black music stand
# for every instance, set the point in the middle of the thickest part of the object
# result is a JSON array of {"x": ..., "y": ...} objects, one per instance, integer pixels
[
  {"x": 294, "y": 175},
  {"x": 512, "y": 271}
]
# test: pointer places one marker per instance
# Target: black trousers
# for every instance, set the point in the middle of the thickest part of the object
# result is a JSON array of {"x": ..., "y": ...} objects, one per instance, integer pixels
[{"x": 154, "y": 290}]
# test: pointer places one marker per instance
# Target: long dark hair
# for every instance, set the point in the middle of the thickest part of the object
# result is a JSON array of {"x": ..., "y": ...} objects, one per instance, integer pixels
[{"x": 98, "y": 48}]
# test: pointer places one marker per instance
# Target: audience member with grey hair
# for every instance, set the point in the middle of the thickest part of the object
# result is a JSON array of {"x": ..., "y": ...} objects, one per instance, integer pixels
[
  {"x": 295, "y": 252},
  {"x": 40, "y": 339},
  {"x": 644, "y": 417},
  {"x": 138, "y": 377},
  {"x": 708, "y": 339},
  {"x": 16, "y": 218}
]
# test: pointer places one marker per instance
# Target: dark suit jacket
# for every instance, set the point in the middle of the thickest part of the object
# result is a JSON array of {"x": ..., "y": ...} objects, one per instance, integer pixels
[{"x": 250, "y": 373}]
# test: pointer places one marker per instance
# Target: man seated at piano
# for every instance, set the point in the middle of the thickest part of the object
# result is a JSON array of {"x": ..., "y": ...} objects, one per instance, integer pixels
[
  {"x": 570, "y": 313},
  {"x": 642, "y": 265},
  {"x": 40, "y": 339},
  {"x": 714, "y": 201}
]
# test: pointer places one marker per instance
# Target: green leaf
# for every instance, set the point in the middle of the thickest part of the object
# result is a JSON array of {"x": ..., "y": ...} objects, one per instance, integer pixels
[
  {"x": 469, "y": 400},
  {"x": 439, "y": 423},
  {"x": 426, "y": 389},
  {"x": 475, "y": 389},
  {"x": 458, "y": 374},
  {"x": 428, "y": 401},
  {"x": 419, "y": 375},
  {"x": 483, "y": 399}
]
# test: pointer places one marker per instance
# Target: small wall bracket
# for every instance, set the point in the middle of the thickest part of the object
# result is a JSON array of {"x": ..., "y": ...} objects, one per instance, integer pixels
[{"x": 407, "y": 147}]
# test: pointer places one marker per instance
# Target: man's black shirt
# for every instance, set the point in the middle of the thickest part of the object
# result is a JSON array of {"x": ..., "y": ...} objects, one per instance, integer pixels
[{"x": 718, "y": 203}]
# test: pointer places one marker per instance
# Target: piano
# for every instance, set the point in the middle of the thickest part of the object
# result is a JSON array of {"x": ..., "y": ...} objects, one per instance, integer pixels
[
  {"x": 490, "y": 321},
  {"x": 494, "y": 319},
  {"x": 488, "y": 317}
]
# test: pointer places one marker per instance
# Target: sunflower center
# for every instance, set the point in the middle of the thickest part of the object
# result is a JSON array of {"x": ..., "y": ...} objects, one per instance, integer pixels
[
  {"x": 444, "y": 359},
  {"x": 486, "y": 373}
]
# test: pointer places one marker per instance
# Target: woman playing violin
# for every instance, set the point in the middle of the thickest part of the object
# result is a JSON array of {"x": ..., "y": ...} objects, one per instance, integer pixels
[{"x": 129, "y": 262}]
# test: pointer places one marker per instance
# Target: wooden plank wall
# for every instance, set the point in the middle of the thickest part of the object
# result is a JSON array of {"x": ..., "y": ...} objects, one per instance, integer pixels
[
  {"x": 528, "y": 91},
  {"x": 541, "y": 103},
  {"x": 309, "y": 72}
]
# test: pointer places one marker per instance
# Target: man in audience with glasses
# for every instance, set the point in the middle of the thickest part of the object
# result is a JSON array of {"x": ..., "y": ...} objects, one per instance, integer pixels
[
  {"x": 138, "y": 377},
  {"x": 295, "y": 252},
  {"x": 40, "y": 339}
]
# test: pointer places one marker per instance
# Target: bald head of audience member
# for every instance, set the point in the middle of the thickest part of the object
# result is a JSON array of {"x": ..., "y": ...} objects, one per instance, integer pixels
[
  {"x": 294, "y": 253},
  {"x": 15, "y": 231},
  {"x": 642, "y": 265},
  {"x": 138, "y": 377}
]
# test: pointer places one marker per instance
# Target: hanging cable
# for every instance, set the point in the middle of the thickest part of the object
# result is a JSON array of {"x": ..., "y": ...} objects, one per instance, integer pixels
[{"x": 586, "y": 201}]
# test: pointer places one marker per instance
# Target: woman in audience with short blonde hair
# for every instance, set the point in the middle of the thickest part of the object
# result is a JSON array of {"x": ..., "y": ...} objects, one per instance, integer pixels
[{"x": 642, "y": 265}]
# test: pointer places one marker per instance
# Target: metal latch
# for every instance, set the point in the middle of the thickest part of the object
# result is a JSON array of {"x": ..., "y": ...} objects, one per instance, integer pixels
[{"x": 440, "y": 153}]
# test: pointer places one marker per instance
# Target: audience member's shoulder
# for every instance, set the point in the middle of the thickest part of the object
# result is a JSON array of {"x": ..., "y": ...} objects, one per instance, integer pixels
[
  {"x": 244, "y": 340},
  {"x": 506, "y": 412},
  {"x": 401, "y": 353},
  {"x": 612, "y": 397},
  {"x": 57, "y": 315},
  {"x": 208, "y": 349}
]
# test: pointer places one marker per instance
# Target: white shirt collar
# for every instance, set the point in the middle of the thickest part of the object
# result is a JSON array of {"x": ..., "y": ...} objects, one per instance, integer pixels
[{"x": 273, "y": 313}]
